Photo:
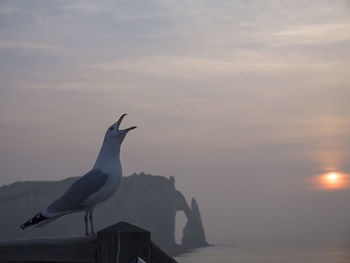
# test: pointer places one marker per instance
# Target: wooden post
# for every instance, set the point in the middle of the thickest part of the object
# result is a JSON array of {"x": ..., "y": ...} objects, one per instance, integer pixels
[{"x": 121, "y": 243}]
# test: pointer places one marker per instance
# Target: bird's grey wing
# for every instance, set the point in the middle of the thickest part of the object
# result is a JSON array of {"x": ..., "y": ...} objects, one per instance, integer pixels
[{"x": 78, "y": 192}]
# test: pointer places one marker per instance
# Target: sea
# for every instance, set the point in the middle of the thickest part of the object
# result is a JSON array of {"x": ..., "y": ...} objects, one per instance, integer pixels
[{"x": 331, "y": 250}]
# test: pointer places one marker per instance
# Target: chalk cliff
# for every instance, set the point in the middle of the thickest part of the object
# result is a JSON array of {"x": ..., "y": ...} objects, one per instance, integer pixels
[{"x": 148, "y": 201}]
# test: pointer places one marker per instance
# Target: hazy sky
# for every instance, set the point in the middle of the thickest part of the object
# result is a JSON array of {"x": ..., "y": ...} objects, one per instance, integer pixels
[{"x": 243, "y": 102}]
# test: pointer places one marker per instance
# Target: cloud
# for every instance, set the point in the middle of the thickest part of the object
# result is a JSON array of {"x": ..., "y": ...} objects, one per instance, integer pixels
[
  {"x": 7, "y": 10},
  {"x": 318, "y": 34},
  {"x": 179, "y": 66},
  {"x": 23, "y": 45},
  {"x": 85, "y": 8}
]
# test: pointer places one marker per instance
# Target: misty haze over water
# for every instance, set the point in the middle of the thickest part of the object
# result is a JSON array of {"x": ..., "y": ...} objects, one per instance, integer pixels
[{"x": 287, "y": 251}]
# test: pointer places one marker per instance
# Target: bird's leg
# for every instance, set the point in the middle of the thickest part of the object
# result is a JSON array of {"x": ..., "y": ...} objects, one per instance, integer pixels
[
  {"x": 91, "y": 222},
  {"x": 86, "y": 224}
]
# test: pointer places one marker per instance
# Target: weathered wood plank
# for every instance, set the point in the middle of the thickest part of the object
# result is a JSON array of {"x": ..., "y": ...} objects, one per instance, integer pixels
[
  {"x": 74, "y": 249},
  {"x": 159, "y": 256},
  {"x": 119, "y": 243},
  {"x": 122, "y": 243}
]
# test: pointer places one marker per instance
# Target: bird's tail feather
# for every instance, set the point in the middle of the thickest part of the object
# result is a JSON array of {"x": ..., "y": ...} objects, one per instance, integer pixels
[{"x": 39, "y": 218}]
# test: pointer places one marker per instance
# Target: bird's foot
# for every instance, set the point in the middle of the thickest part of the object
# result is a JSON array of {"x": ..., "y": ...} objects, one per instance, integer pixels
[
  {"x": 87, "y": 234},
  {"x": 92, "y": 234}
]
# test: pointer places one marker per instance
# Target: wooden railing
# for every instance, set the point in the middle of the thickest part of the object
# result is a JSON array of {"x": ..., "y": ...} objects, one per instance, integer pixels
[{"x": 119, "y": 243}]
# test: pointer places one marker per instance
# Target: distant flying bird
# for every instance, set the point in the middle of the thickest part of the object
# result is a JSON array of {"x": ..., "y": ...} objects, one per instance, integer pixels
[{"x": 93, "y": 188}]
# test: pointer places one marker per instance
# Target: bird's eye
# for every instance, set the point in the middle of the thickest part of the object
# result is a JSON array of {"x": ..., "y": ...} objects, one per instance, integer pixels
[{"x": 111, "y": 129}]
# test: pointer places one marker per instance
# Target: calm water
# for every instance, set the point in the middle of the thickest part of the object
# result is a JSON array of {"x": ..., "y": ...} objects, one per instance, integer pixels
[{"x": 325, "y": 251}]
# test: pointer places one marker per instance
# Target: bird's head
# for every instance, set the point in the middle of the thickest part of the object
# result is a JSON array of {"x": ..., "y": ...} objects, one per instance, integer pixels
[{"x": 114, "y": 134}]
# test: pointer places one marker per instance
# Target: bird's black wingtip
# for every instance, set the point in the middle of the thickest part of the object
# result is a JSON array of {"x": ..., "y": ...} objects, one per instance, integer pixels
[{"x": 34, "y": 220}]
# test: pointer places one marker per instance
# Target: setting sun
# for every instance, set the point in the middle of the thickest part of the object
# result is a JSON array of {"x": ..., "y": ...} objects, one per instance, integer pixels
[
  {"x": 332, "y": 181},
  {"x": 332, "y": 178}
]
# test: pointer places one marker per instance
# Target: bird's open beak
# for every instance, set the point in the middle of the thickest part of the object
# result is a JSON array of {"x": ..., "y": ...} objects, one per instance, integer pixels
[
  {"x": 131, "y": 128},
  {"x": 120, "y": 121}
]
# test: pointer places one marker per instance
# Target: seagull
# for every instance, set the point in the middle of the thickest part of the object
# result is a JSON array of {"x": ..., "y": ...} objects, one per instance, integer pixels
[{"x": 95, "y": 187}]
